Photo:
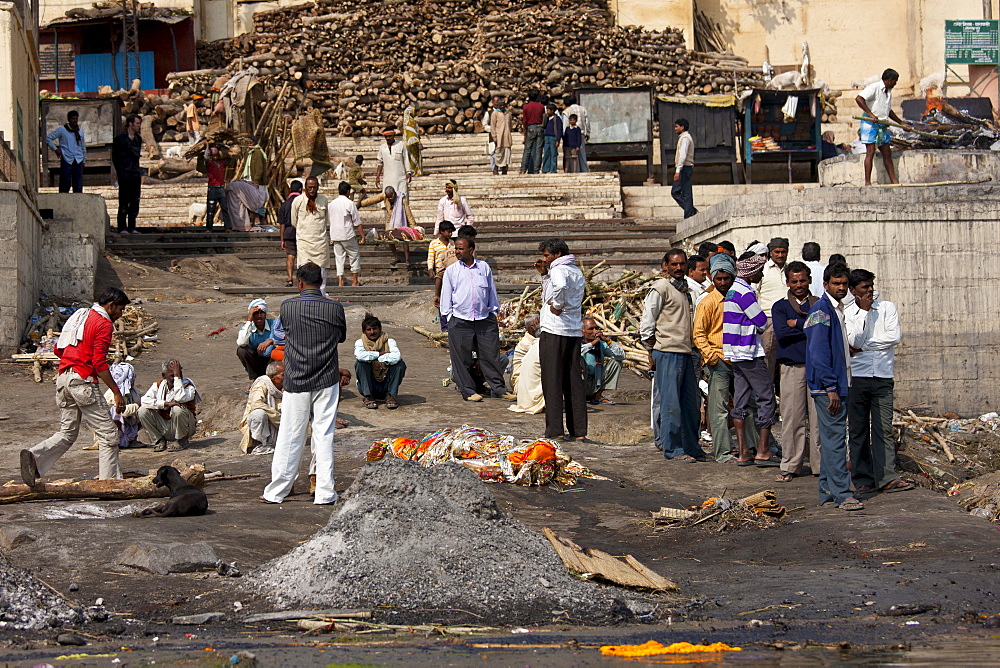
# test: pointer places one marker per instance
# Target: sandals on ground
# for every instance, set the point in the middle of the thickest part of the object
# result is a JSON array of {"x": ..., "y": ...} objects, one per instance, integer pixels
[
  {"x": 784, "y": 477},
  {"x": 898, "y": 485},
  {"x": 850, "y": 504},
  {"x": 370, "y": 403},
  {"x": 391, "y": 404}
]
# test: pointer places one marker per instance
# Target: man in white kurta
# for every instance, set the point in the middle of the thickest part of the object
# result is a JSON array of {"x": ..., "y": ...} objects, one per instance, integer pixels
[
  {"x": 393, "y": 164},
  {"x": 345, "y": 228},
  {"x": 311, "y": 222}
]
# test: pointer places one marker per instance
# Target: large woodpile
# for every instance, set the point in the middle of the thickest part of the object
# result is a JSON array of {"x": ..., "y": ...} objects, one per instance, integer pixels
[{"x": 361, "y": 63}]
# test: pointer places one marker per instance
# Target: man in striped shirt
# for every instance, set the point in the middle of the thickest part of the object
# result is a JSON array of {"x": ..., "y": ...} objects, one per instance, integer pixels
[
  {"x": 469, "y": 301},
  {"x": 742, "y": 323},
  {"x": 707, "y": 334},
  {"x": 314, "y": 326}
]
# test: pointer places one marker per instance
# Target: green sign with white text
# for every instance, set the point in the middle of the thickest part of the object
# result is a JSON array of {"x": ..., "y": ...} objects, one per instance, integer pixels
[{"x": 972, "y": 42}]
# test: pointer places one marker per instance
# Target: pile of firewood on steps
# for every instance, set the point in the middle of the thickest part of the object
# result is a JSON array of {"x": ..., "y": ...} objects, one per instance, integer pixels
[{"x": 362, "y": 63}]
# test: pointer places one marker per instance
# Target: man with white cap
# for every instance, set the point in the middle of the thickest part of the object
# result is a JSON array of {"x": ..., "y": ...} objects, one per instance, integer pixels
[{"x": 255, "y": 340}]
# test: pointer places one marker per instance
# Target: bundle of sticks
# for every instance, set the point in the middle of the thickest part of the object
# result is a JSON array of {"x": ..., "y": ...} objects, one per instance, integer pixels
[{"x": 616, "y": 306}]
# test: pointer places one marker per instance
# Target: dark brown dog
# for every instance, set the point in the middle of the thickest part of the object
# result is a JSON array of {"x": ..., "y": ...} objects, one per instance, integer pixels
[{"x": 185, "y": 498}]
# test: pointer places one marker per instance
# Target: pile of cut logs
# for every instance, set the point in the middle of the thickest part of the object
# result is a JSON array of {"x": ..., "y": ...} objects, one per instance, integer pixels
[{"x": 361, "y": 63}]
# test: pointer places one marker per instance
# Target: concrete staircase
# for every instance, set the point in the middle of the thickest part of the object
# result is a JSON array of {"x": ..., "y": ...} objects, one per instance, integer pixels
[{"x": 509, "y": 246}]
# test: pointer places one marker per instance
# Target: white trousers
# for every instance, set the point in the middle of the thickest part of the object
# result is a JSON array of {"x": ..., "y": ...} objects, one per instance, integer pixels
[
  {"x": 296, "y": 408},
  {"x": 347, "y": 252},
  {"x": 261, "y": 429}
]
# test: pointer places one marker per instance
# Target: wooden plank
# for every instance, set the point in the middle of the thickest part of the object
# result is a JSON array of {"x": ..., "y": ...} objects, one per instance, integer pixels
[{"x": 594, "y": 563}]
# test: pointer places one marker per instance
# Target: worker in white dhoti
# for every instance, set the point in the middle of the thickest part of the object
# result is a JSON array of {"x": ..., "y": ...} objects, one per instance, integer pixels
[
  {"x": 521, "y": 349},
  {"x": 393, "y": 164},
  {"x": 311, "y": 223},
  {"x": 262, "y": 414},
  {"x": 526, "y": 380}
]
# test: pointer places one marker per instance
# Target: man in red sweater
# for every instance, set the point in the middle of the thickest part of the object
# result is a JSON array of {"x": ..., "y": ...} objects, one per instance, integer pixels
[
  {"x": 531, "y": 120},
  {"x": 83, "y": 358}
]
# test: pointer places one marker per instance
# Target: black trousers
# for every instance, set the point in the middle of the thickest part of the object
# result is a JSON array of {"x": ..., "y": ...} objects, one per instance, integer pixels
[
  {"x": 369, "y": 387},
  {"x": 70, "y": 174},
  {"x": 129, "y": 190},
  {"x": 682, "y": 193},
  {"x": 255, "y": 364},
  {"x": 482, "y": 336},
  {"x": 562, "y": 385},
  {"x": 217, "y": 200}
]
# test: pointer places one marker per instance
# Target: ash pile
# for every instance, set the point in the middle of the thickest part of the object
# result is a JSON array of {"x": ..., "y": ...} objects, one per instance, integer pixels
[
  {"x": 418, "y": 545},
  {"x": 28, "y": 605}
]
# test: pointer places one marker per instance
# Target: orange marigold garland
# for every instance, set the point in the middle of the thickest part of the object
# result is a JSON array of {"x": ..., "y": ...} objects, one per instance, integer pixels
[{"x": 652, "y": 648}]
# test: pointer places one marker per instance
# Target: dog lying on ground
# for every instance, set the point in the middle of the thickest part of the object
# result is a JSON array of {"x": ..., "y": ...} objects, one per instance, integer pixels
[{"x": 185, "y": 498}]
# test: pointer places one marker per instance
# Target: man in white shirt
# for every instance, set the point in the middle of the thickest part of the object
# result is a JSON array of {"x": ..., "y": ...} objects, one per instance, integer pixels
[
  {"x": 697, "y": 273},
  {"x": 345, "y": 229},
  {"x": 683, "y": 168},
  {"x": 561, "y": 325},
  {"x": 453, "y": 207},
  {"x": 872, "y": 333},
  {"x": 393, "y": 164},
  {"x": 379, "y": 366},
  {"x": 167, "y": 410},
  {"x": 810, "y": 257},
  {"x": 876, "y": 101},
  {"x": 772, "y": 288}
]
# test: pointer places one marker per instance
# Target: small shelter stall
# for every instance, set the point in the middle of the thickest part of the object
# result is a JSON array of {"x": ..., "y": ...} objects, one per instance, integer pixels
[
  {"x": 100, "y": 120},
  {"x": 782, "y": 126},
  {"x": 712, "y": 120},
  {"x": 621, "y": 124}
]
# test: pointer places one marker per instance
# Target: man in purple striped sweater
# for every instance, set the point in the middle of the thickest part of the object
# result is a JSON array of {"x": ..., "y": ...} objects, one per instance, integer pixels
[{"x": 742, "y": 323}]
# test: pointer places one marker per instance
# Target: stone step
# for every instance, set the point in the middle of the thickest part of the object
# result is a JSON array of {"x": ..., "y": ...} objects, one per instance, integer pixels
[{"x": 364, "y": 294}]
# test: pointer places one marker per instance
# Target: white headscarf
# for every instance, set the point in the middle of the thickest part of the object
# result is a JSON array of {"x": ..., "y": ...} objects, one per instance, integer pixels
[
  {"x": 72, "y": 331},
  {"x": 258, "y": 303}
]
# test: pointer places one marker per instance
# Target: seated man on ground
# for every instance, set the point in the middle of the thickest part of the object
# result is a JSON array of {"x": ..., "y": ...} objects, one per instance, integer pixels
[
  {"x": 255, "y": 340},
  {"x": 527, "y": 376},
  {"x": 127, "y": 421},
  {"x": 522, "y": 347},
  {"x": 168, "y": 408},
  {"x": 262, "y": 414},
  {"x": 379, "y": 367},
  {"x": 602, "y": 362}
]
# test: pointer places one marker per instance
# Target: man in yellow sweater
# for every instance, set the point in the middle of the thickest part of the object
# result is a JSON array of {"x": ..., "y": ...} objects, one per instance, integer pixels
[{"x": 707, "y": 335}]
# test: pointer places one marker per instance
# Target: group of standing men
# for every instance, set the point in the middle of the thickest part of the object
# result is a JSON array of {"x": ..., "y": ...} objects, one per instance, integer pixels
[
  {"x": 835, "y": 358},
  {"x": 545, "y": 128}
]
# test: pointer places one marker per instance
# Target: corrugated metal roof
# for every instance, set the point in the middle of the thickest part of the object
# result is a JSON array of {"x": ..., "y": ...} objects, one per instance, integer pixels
[{"x": 68, "y": 20}]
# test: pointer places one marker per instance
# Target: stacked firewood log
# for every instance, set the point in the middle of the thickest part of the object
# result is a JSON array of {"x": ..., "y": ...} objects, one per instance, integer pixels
[{"x": 361, "y": 63}]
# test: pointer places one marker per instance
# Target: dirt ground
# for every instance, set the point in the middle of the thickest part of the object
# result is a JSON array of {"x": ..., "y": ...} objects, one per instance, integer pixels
[{"x": 821, "y": 575}]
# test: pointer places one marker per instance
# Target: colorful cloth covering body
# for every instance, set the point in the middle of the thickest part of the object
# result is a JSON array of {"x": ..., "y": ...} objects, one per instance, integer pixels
[{"x": 494, "y": 457}]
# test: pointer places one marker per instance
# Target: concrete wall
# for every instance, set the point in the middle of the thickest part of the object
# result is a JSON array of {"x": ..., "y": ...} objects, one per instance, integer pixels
[
  {"x": 19, "y": 92},
  {"x": 75, "y": 214},
  {"x": 656, "y": 15},
  {"x": 71, "y": 261},
  {"x": 21, "y": 231},
  {"x": 907, "y": 35},
  {"x": 933, "y": 251},
  {"x": 914, "y": 167}
]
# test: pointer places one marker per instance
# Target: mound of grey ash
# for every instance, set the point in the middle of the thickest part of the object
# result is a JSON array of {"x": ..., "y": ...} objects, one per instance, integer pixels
[
  {"x": 27, "y": 604},
  {"x": 418, "y": 545}
]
